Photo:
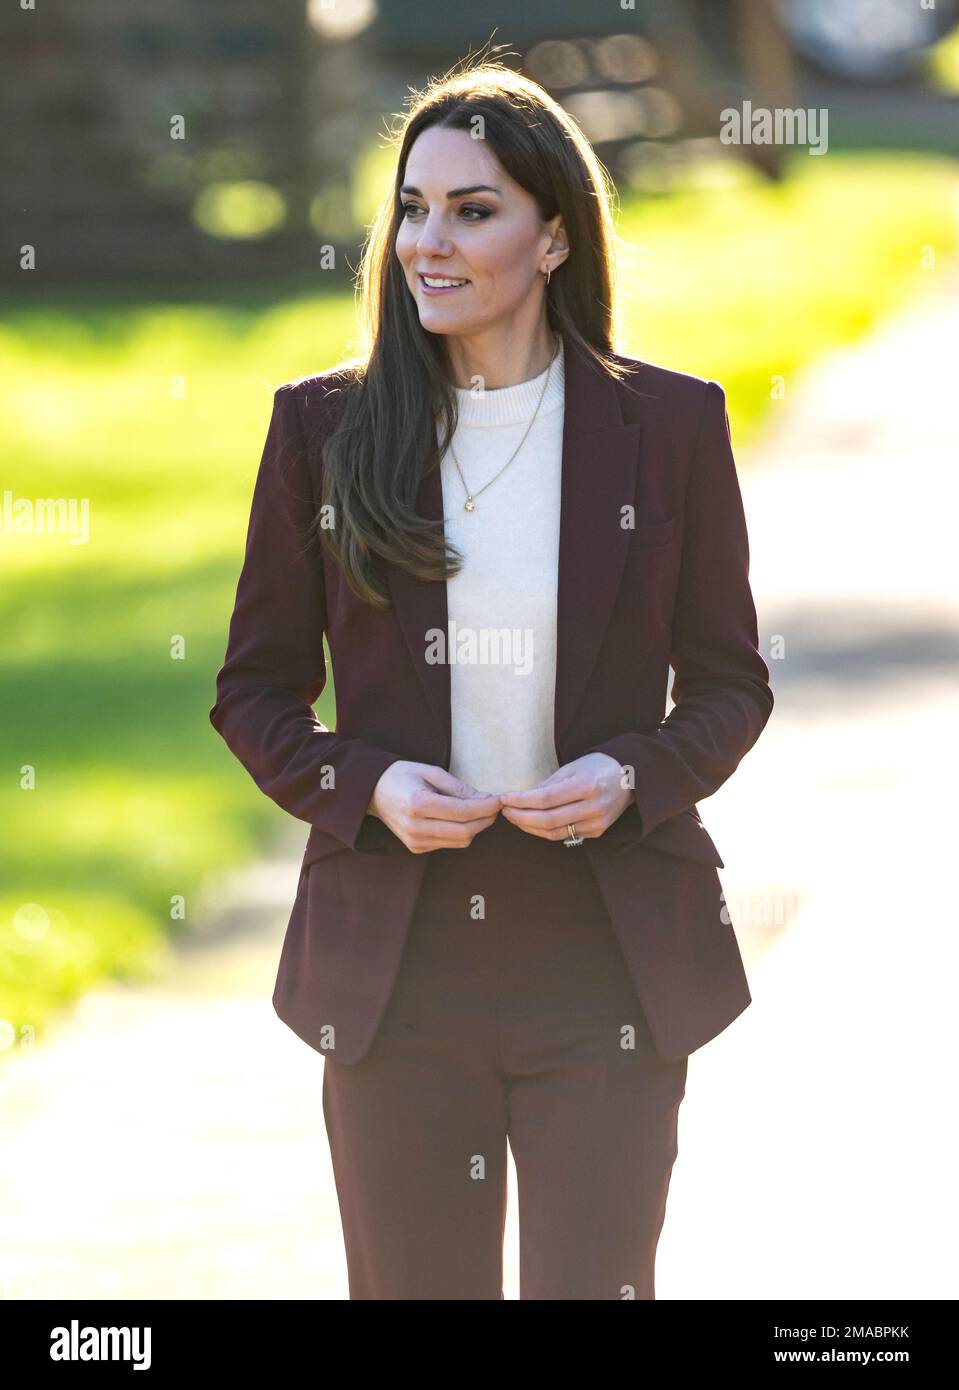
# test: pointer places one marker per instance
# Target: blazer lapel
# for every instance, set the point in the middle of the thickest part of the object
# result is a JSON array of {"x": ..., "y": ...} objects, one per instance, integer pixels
[
  {"x": 600, "y": 458},
  {"x": 599, "y": 461}
]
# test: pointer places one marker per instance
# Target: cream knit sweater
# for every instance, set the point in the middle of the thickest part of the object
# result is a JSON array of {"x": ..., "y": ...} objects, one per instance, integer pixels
[{"x": 502, "y": 604}]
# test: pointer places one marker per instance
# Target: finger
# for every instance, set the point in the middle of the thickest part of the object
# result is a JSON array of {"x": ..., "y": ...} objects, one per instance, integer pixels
[
  {"x": 438, "y": 779},
  {"x": 589, "y": 830},
  {"x": 445, "y": 782},
  {"x": 545, "y": 797},
  {"x": 441, "y": 834},
  {"x": 554, "y": 818},
  {"x": 430, "y": 805}
]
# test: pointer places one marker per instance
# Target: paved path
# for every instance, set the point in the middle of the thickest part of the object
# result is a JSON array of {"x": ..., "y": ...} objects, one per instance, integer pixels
[
  {"x": 169, "y": 1142},
  {"x": 818, "y": 1142}
]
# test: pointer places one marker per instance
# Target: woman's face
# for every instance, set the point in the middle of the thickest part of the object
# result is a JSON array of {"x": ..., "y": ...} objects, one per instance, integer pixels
[{"x": 464, "y": 219}]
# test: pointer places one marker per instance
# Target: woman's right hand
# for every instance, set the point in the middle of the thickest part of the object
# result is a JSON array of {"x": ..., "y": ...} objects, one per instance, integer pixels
[{"x": 428, "y": 808}]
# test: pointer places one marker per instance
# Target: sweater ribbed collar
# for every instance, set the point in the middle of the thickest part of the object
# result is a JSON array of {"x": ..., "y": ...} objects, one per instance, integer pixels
[{"x": 512, "y": 405}]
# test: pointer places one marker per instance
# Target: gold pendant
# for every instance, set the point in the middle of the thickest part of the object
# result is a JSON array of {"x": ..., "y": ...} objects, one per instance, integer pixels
[{"x": 469, "y": 504}]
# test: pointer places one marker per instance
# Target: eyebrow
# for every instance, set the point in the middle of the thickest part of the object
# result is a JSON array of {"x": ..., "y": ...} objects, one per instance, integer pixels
[{"x": 455, "y": 192}]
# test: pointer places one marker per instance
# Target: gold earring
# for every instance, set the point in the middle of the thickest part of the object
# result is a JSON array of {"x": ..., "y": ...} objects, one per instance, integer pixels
[{"x": 547, "y": 273}]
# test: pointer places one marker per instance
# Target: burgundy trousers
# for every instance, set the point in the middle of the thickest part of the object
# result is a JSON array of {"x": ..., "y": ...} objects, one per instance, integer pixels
[{"x": 513, "y": 1020}]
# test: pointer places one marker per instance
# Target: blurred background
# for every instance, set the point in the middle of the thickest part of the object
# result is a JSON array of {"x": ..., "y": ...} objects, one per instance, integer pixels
[{"x": 186, "y": 195}]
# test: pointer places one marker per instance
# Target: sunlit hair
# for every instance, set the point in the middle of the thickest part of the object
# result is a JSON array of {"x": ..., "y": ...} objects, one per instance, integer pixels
[{"x": 394, "y": 403}]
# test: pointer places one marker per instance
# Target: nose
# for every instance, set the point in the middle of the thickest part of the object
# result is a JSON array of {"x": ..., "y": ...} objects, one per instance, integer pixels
[{"x": 431, "y": 241}]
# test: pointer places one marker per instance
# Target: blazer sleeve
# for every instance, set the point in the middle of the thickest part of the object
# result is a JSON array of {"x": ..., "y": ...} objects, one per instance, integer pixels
[
  {"x": 275, "y": 668},
  {"x": 721, "y": 688}
]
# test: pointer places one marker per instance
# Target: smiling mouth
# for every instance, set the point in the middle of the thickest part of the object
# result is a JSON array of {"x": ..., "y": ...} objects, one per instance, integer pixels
[{"x": 441, "y": 282}]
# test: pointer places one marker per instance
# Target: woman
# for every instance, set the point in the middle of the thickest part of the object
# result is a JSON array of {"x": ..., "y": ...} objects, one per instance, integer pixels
[{"x": 509, "y": 925}]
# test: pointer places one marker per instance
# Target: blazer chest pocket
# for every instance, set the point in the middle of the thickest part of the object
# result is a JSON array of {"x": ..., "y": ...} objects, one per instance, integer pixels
[
  {"x": 652, "y": 535},
  {"x": 651, "y": 571}
]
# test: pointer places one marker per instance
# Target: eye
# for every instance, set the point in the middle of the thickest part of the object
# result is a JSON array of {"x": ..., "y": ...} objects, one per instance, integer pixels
[{"x": 471, "y": 212}]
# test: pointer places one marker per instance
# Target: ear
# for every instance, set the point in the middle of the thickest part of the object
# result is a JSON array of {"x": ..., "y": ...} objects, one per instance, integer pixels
[{"x": 558, "y": 248}]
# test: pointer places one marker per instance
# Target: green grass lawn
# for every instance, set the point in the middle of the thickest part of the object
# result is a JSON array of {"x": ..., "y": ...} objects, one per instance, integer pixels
[
  {"x": 118, "y": 797},
  {"x": 740, "y": 280}
]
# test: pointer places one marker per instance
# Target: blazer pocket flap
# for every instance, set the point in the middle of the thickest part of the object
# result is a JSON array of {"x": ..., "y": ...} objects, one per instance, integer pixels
[
  {"x": 320, "y": 843},
  {"x": 374, "y": 838},
  {"x": 683, "y": 835},
  {"x": 651, "y": 535}
]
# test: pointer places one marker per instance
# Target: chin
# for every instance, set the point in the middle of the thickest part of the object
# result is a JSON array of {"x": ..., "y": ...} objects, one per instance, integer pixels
[{"x": 443, "y": 324}]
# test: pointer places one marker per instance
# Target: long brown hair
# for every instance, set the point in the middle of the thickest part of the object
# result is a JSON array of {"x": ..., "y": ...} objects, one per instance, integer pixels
[{"x": 393, "y": 397}]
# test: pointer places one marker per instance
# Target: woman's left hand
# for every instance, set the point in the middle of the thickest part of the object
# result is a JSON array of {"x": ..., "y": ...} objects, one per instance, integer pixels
[{"x": 587, "y": 793}]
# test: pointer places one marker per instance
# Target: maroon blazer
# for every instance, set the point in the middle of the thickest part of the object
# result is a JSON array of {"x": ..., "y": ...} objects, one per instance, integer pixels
[{"x": 671, "y": 590}]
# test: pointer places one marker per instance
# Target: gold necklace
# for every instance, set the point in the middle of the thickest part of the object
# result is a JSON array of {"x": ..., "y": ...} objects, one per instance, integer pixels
[{"x": 469, "y": 504}]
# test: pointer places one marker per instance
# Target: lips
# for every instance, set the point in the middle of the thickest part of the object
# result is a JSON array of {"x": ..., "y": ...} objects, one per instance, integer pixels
[{"x": 442, "y": 284}]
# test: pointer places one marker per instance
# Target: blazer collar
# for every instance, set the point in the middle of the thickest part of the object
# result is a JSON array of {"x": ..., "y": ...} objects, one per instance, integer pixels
[{"x": 600, "y": 456}]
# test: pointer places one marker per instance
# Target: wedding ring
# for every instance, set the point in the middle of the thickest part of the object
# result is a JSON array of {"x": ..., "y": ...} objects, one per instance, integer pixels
[{"x": 574, "y": 839}]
